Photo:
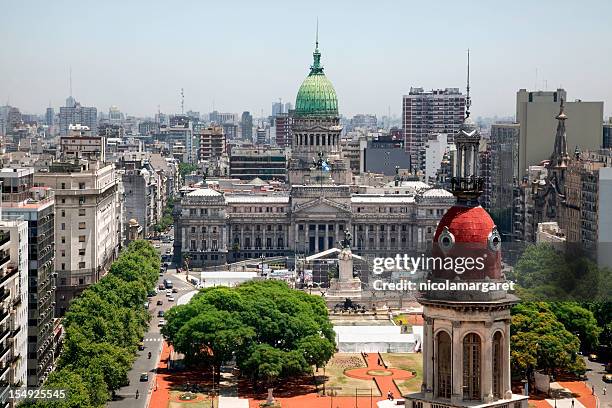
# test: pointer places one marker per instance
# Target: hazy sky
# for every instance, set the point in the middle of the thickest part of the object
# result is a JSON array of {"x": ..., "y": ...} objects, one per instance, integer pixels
[{"x": 243, "y": 55}]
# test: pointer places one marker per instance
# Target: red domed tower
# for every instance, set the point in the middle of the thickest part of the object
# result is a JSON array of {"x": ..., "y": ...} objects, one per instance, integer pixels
[{"x": 466, "y": 335}]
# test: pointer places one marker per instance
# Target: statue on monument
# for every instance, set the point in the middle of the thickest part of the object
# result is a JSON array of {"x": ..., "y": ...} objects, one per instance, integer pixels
[{"x": 347, "y": 241}]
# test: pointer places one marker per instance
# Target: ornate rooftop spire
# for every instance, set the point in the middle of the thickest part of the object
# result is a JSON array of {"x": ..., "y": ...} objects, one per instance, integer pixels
[
  {"x": 316, "y": 67},
  {"x": 560, "y": 157}
]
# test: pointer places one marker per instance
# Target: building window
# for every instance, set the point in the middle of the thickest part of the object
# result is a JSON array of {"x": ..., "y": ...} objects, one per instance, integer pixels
[
  {"x": 63, "y": 186},
  {"x": 63, "y": 240},
  {"x": 81, "y": 265},
  {"x": 81, "y": 225},
  {"x": 81, "y": 200},
  {"x": 82, "y": 251},
  {"x": 497, "y": 365},
  {"x": 63, "y": 267},
  {"x": 63, "y": 226},
  {"x": 444, "y": 362},
  {"x": 81, "y": 186},
  {"x": 63, "y": 252},
  {"x": 203, "y": 230},
  {"x": 81, "y": 212},
  {"x": 81, "y": 238},
  {"x": 63, "y": 201},
  {"x": 471, "y": 367},
  {"x": 63, "y": 213},
  {"x": 193, "y": 230}
]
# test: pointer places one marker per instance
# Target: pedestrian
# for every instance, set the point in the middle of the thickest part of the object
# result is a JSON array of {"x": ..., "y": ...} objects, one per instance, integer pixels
[
  {"x": 593, "y": 388},
  {"x": 389, "y": 395},
  {"x": 604, "y": 390},
  {"x": 572, "y": 403},
  {"x": 137, "y": 394}
]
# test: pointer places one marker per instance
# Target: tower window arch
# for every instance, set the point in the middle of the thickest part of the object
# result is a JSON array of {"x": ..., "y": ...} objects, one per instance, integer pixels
[
  {"x": 444, "y": 364},
  {"x": 471, "y": 366}
]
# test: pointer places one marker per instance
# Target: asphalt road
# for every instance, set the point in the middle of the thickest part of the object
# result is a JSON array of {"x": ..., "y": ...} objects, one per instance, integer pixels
[
  {"x": 126, "y": 396},
  {"x": 595, "y": 372}
]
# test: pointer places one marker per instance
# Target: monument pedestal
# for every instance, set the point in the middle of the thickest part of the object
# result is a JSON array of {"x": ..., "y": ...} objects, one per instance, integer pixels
[{"x": 345, "y": 285}]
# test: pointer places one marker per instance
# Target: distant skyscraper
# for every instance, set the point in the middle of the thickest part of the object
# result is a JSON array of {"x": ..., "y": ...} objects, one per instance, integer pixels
[
  {"x": 607, "y": 134},
  {"x": 427, "y": 112},
  {"x": 288, "y": 107},
  {"x": 115, "y": 117},
  {"x": 246, "y": 126},
  {"x": 70, "y": 102},
  {"x": 49, "y": 115},
  {"x": 277, "y": 107},
  {"x": 78, "y": 115},
  {"x": 366, "y": 121},
  {"x": 261, "y": 135}
]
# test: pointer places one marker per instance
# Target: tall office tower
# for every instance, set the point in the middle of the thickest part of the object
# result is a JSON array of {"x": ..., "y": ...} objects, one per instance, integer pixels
[
  {"x": 78, "y": 115},
  {"x": 86, "y": 224},
  {"x": 36, "y": 205},
  {"x": 504, "y": 174},
  {"x": 70, "y": 102},
  {"x": 282, "y": 124},
  {"x": 364, "y": 121},
  {"x": 607, "y": 134},
  {"x": 427, "y": 112},
  {"x": 246, "y": 126},
  {"x": 49, "y": 116},
  {"x": 535, "y": 112},
  {"x": 115, "y": 117},
  {"x": 277, "y": 108},
  {"x": 262, "y": 135},
  {"x": 267, "y": 163},
  {"x": 13, "y": 305},
  {"x": 288, "y": 107}
]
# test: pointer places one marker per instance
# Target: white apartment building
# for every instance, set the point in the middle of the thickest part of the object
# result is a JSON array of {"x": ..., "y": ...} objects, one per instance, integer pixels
[
  {"x": 13, "y": 304},
  {"x": 87, "y": 224}
]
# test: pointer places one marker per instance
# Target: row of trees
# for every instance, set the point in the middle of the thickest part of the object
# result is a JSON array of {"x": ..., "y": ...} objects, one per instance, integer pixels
[
  {"x": 565, "y": 310},
  {"x": 103, "y": 328},
  {"x": 167, "y": 219},
  {"x": 270, "y": 330}
]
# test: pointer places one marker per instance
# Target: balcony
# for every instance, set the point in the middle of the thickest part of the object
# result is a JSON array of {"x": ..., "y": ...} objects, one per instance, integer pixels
[
  {"x": 4, "y": 260},
  {"x": 4, "y": 237},
  {"x": 8, "y": 273}
]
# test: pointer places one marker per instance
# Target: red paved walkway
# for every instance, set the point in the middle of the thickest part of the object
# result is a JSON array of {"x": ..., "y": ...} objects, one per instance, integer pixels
[
  {"x": 585, "y": 395},
  {"x": 161, "y": 392}
]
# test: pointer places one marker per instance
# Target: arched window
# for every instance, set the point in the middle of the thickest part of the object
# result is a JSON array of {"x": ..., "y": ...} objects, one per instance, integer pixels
[
  {"x": 497, "y": 364},
  {"x": 471, "y": 367},
  {"x": 444, "y": 364}
]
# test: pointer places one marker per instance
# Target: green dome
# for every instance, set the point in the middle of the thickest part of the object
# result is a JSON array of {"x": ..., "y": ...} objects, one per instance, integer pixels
[{"x": 316, "y": 95}]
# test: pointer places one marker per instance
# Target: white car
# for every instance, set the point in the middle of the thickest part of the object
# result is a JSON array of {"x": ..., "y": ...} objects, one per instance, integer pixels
[
  {"x": 170, "y": 298},
  {"x": 161, "y": 322}
]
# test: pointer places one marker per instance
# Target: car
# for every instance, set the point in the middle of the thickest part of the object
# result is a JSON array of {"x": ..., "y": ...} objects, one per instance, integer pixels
[
  {"x": 146, "y": 305},
  {"x": 168, "y": 251},
  {"x": 144, "y": 377},
  {"x": 161, "y": 323},
  {"x": 160, "y": 286},
  {"x": 160, "y": 313},
  {"x": 141, "y": 346},
  {"x": 160, "y": 302},
  {"x": 174, "y": 290},
  {"x": 168, "y": 292},
  {"x": 166, "y": 265},
  {"x": 592, "y": 357},
  {"x": 170, "y": 298},
  {"x": 607, "y": 378}
]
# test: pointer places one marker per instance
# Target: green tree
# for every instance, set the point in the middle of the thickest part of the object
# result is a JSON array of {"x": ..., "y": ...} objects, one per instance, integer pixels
[
  {"x": 272, "y": 331},
  {"x": 579, "y": 321},
  {"x": 186, "y": 168}
]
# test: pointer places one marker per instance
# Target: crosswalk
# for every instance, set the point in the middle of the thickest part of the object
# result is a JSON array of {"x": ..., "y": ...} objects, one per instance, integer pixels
[{"x": 155, "y": 339}]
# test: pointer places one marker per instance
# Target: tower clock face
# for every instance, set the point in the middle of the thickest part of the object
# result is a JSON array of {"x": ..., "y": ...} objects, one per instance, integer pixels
[{"x": 494, "y": 240}]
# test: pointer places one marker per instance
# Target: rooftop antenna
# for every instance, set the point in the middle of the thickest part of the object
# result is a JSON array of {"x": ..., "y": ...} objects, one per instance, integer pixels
[
  {"x": 317, "y": 35},
  {"x": 182, "y": 102},
  {"x": 536, "y": 81},
  {"x": 468, "y": 100}
]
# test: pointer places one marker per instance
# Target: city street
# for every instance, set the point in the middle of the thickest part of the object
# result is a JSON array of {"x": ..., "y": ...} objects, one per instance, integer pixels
[
  {"x": 126, "y": 396},
  {"x": 595, "y": 372}
]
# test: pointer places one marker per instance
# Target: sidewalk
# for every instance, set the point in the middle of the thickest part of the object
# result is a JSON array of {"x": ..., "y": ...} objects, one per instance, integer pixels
[{"x": 161, "y": 390}]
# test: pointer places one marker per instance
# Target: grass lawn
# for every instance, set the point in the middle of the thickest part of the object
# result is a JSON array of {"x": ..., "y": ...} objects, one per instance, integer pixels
[
  {"x": 409, "y": 362},
  {"x": 203, "y": 401},
  {"x": 334, "y": 371}
]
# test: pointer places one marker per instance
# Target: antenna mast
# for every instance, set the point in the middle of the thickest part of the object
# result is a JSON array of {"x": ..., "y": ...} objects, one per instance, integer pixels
[
  {"x": 468, "y": 100},
  {"x": 182, "y": 102}
]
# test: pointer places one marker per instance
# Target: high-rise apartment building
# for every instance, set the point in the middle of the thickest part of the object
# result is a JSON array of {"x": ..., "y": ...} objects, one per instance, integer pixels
[
  {"x": 607, "y": 134},
  {"x": 427, "y": 112},
  {"x": 211, "y": 143},
  {"x": 78, "y": 115},
  {"x": 246, "y": 126},
  {"x": 81, "y": 143},
  {"x": 13, "y": 305},
  {"x": 504, "y": 174},
  {"x": 535, "y": 112},
  {"x": 36, "y": 205},
  {"x": 282, "y": 125},
  {"x": 87, "y": 224},
  {"x": 262, "y": 135}
]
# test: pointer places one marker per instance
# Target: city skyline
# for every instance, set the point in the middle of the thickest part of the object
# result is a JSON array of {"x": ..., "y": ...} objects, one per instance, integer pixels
[{"x": 149, "y": 52}]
